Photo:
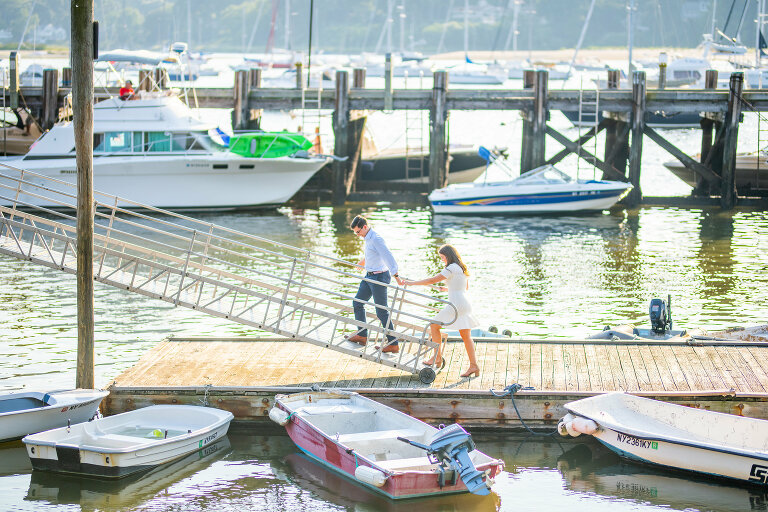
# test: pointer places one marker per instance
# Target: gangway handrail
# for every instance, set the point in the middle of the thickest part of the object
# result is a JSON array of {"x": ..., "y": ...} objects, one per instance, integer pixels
[{"x": 224, "y": 272}]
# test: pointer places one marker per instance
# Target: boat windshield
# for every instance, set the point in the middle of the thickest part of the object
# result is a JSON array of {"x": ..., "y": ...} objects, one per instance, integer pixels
[{"x": 546, "y": 174}]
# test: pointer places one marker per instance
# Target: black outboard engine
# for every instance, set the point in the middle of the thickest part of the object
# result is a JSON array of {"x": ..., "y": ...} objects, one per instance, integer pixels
[
  {"x": 661, "y": 315},
  {"x": 450, "y": 447}
]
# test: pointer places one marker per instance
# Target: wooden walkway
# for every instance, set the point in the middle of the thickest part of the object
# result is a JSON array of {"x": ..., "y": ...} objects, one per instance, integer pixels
[
  {"x": 243, "y": 375},
  {"x": 545, "y": 366}
]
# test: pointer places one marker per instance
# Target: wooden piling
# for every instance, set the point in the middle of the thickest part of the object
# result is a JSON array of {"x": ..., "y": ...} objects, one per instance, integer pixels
[
  {"x": 254, "y": 114},
  {"x": 240, "y": 92},
  {"x": 161, "y": 78},
  {"x": 388, "y": 82},
  {"x": 438, "y": 117},
  {"x": 539, "y": 120},
  {"x": 50, "y": 98},
  {"x": 14, "y": 82},
  {"x": 636, "y": 149},
  {"x": 529, "y": 77},
  {"x": 616, "y": 132},
  {"x": 82, "y": 108},
  {"x": 707, "y": 123},
  {"x": 732, "y": 118},
  {"x": 300, "y": 76},
  {"x": 341, "y": 136},
  {"x": 358, "y": 78},
  {"x": 66, "y": 77},
  {"x": 145, "y": 81}
]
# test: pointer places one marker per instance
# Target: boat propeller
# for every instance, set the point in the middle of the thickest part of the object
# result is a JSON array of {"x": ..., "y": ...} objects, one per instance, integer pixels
[{"x": 450, "y": 448}]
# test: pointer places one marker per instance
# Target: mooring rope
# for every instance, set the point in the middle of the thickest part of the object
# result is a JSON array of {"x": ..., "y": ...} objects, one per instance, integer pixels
[{"x": 511, "y": 390}]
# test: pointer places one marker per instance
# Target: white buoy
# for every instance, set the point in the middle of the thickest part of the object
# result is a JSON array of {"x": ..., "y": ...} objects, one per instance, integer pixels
[
  {"x": 370, "y": 476},
  {"x": 584, "y": 425},
  {"x": 279, "y": 416}
]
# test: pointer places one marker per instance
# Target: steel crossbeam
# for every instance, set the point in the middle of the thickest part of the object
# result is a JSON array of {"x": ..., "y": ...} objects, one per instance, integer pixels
[{"x": 213, "y": 269}]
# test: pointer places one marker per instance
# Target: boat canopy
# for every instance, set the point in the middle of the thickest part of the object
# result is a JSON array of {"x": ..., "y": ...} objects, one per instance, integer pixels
[{"x": 136, "y": 57}]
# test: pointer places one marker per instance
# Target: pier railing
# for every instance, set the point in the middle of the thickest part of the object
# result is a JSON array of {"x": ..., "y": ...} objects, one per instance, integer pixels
[{"x": 223, "y": 272}]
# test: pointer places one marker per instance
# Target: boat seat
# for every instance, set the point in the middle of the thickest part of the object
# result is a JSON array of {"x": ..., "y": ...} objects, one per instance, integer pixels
[
  {"x": 378, "y": 435},
  {"x": 114, "y": 441},
  {"x": 410, "y": 463},
  {"x": 332, "y": 409}
]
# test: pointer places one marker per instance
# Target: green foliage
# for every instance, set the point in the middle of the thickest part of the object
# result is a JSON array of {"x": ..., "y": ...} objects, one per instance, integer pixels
[{"x": 358, "y": 25}]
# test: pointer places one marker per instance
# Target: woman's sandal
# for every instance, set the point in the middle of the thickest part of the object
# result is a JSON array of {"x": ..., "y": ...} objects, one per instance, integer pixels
[
  {"x": 432, "y": 363},
  {"x": 471, "y": 371}
]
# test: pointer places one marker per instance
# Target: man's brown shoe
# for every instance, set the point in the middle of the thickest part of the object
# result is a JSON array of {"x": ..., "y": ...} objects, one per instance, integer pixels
[
  {"x": 356, "y": 338},
  {"x": 392, "y": 349}
]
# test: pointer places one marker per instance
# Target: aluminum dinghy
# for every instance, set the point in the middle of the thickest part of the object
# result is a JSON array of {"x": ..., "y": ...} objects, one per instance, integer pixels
[
  {"x": 127, "y": 443},
  {"x": 382, "y": 449},
  {"x": 673, "y": 436},
  {"x": 29, "y": 412}
]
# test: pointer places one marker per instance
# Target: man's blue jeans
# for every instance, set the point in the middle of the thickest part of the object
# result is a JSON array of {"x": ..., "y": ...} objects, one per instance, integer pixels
[{"x": 379, "y": 294}]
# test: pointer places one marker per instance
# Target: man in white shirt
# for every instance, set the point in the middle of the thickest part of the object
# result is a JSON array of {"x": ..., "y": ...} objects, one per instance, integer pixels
[{"x": 380, "y": 266}]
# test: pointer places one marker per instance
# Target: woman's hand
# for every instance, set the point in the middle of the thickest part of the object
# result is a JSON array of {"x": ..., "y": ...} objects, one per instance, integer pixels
[
  {"x": 399, "y": 280},
  {"x": 442, "y": 288}
]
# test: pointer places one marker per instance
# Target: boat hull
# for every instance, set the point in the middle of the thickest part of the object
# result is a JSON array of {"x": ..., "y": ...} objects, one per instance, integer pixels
[
  {"x": 667, "y": 454},
  {"x": 105, "y": 449},
  {"x": 557, "y": 202},
  {"x": 400, "y": 485},
  {"x": 751, "y": 173},
  {"x": 181, "y": 182},
  {"x": 67, "y": 407},
  {"x": 464, "y": 167}
]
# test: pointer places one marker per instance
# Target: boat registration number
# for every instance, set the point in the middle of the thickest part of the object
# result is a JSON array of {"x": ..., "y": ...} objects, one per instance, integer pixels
[{"x": 636, "y": 441}]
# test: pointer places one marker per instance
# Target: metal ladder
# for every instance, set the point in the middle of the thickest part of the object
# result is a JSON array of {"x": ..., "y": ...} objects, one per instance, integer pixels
[
  {"x": 762, "y": 151},
  {"x": 213, "y": 269},
  {"x": 589, "y": 113},
  {"x": 312, "y": 102},
  {"x": 415, "y": 156}
]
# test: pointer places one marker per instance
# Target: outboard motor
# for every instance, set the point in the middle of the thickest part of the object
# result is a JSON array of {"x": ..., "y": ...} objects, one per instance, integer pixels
[
  {"x": 661, "y": 315},
  {"x": 450, "y": 448}
]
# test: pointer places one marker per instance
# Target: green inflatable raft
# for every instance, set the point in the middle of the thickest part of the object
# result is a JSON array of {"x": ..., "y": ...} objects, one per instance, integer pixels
[{"x": 268, "y": 144}]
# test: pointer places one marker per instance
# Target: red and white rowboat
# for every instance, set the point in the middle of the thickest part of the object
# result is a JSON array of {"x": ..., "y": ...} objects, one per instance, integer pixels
[{"x": 371, "y": 444}]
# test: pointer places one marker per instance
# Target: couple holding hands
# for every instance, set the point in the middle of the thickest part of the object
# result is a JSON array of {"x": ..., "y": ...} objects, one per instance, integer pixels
[{"x": 381, "y": 266}]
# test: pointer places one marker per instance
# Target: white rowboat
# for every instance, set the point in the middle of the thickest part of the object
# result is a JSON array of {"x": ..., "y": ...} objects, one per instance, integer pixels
[
  {"x": 127, "y": 443},
  {"x": 34, "y": 411},
  {"x": 673, "y": 436}
]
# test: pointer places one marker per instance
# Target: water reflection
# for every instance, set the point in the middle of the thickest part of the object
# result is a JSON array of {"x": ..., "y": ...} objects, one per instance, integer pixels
[
  {"x": 592, "y": 468},
  {"x": 14, "y": 459},
  {"x": 335, "y": 489}
]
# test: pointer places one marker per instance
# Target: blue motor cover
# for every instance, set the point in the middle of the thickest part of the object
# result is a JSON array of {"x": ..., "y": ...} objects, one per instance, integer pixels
[{"x": 451, "y": 446}]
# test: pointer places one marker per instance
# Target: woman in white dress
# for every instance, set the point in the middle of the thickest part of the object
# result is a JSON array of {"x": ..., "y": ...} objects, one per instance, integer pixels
[{"x": 456, "y": 276}]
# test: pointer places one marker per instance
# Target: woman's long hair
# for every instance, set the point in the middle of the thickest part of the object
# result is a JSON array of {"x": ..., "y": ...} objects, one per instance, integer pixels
[{"x": 452, "y": 256}]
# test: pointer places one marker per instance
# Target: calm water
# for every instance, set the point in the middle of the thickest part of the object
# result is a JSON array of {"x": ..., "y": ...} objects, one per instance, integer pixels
[
  {"x": 537, "y": 276},
  {"x": 254, "y": 472}
]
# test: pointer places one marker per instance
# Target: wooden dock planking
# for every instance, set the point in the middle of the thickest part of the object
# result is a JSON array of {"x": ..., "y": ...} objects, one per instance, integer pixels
[{"x": 237, "y": 373}]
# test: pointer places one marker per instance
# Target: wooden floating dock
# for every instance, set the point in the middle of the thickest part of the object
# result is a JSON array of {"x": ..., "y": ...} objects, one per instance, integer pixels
[{"x": 243, "y": 375}]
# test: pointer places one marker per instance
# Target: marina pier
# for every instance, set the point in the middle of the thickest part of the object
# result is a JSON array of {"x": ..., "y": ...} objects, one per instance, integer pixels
[{"x": 625, "y": 112}]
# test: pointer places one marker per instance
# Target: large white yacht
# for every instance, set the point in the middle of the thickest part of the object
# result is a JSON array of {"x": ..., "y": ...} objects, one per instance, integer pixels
[{"x": 156, "y": 151}]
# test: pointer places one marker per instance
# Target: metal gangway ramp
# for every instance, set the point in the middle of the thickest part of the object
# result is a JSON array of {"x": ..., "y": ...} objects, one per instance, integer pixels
[{"x": 229, "y": 274}]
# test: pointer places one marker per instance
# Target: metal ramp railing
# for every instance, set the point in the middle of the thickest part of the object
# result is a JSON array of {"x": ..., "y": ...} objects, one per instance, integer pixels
[{"x": 210, "y": 268}]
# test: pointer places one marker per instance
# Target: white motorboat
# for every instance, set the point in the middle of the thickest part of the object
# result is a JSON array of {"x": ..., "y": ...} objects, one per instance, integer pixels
[
  {"x": 28, "y": 412},
  {"x": 134, "y": 441},
  {"x": 382, "y": 449},
  {"x": 673, "y": 436},
  {"x": 157, "y": 151},
  {"x": 542, "y": 190}
]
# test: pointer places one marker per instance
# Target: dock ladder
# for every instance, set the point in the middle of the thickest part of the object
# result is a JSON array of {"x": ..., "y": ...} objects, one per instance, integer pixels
[
  {"x": 210, "y": 268},
  {"x": 415, "y": 154},
  {"x": 761, "y": 153},
  {"x": 589, "y": 117}
]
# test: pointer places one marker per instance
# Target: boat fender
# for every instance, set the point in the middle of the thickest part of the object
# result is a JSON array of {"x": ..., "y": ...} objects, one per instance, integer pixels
[
  {"x": 370, "y": 476},
  {"x": 584, "y": 425},
  {"x": 279, "y": 416},
  {"x": 561, "y": 425}
]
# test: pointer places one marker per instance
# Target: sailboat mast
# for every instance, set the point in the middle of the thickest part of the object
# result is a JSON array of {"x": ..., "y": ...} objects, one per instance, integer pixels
[
  {"x": 759, "y": 30},
  {"x": 631, "y": 34},
  {"x": 466, "y": 28}
]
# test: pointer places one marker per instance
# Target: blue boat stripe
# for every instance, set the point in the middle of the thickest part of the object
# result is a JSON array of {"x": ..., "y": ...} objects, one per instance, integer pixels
[{"x": 567, "y": 197}]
